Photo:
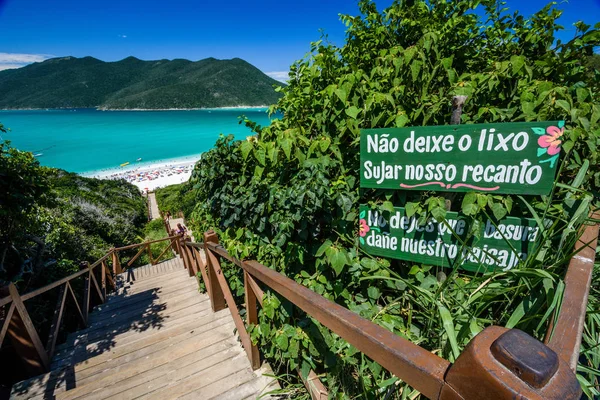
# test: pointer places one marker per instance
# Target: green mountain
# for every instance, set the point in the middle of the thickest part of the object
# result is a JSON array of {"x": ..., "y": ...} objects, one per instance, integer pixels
[{"x": 71, "y": 82}]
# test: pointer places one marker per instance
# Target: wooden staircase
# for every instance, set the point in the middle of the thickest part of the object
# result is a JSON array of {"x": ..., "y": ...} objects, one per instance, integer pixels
[{"x": 156, "y": 337}]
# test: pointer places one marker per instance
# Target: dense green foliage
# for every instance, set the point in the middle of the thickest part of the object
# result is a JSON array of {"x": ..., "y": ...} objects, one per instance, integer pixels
[
  {"x": 289, "y": 196},
  {"x": 50, "y": 216},
  {"x": 131, "y": 83},
  {"x": 175, "y": 199}
]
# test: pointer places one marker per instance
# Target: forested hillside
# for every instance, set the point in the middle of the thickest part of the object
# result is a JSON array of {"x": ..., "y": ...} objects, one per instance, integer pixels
[
  {"x": 70, "y": 82},
  {"x": 51, "y": 220}
]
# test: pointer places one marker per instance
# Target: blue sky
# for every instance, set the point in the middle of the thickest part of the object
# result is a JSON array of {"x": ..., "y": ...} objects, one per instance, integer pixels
[{"x": 271, "y": 34}]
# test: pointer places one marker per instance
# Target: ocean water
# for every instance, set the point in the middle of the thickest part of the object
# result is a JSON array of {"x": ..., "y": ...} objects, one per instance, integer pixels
[{"x": 86, "y": 140}]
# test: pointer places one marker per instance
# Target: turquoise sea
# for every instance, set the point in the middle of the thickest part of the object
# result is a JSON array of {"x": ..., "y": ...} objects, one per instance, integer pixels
[{"x": 85, "y": 140}]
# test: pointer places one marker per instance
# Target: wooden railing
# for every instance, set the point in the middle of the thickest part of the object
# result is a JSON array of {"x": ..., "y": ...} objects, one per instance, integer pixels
[
  {"x": 98, "y": 278},
  {"x": 497, "y": 363}
]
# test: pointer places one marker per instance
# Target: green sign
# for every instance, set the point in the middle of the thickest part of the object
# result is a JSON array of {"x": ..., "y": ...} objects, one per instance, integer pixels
[
  {"x": 498, "y": 158},
  {"x": 498, "y": 245}
]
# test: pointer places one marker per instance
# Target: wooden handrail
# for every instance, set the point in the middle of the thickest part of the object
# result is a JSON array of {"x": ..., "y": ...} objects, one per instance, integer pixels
[
  {"x": 497, "y": 362},
  {"x": 133, "y": 246},
  {"x": 20, "y": 328},
  {"x": 564, "y": 337}
]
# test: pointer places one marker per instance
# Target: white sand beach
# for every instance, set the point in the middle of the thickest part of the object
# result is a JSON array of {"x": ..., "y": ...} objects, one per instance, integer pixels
[{"x": 150, "y": 176}]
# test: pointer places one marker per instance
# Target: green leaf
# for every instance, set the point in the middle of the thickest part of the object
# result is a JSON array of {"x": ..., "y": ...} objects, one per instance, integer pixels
[
  {"x": 388, "y": 206},
  {"x": 411, "y": 209},
  {"x": 581, "y": 174},
  {"x": 338, "y": 261},
  {"x": 327, "y": 244},
  {"x": 401, "y": 120},
  {"x": 564, "y": 105},
  {"x": 305, "y": 369},
  {"x": 282, "y": 341},
  {"x": 341, "y": 94},
  {"x": 286, "y": 145},
  {"x": 373, "y": 292},
  {"x": 260, "y": 156},
  {"x": 352, "y": 112},
  {"x": 498, "y": 210},
  {"x": 517, "y": 63},
  {"x": 324, "y": 144},
  {"x": 448, "y": 325},
  {"x": 246, "y": 148},
  {"x": 470, "y": 209},
  {"x": 415, "y": 68}
]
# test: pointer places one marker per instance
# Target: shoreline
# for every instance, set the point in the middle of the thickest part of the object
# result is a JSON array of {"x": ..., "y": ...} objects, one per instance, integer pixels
[
  {"x": 138, "y": 109},
  {"x": 150, "y": 175}
]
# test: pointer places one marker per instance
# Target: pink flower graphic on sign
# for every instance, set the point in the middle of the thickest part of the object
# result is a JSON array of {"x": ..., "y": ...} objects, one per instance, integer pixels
[
  {"x": 364, "y": 228},
  {"x": 551, "y": 141}
]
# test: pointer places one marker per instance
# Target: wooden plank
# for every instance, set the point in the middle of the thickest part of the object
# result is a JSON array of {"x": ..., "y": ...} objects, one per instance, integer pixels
[
  {"x": 202, "y": 267},
  {"x": 409, "y": 362},
  {"x": 116, "y": 263},
  {"x": 81, "y": 346},
  {"x": 79, "y": 312},
  {"x": 251, "y": 319},
  {"x": 565, "y": 336},
  {"x": 26, "y": 344},
  {"x": 103, "y": 280},
  {"x": 109, "y": 277},
  {"x": 258, "y": 292},
  {"x": 235, "y": 314},
  {"x": 56, "y": 320},
  {"x": 59, "y": 282},
  {"x": 126, "y": 365},
  {"x": 6, "y": 323},
  {"x": 138, "y": 254},
  {"x": 185, "y": 382},
  {"x": 133, "y": 246},
  {"x": 141, "y": 349},
  {"x": 216, "y": 293},
  {"x": 216, "y": 388},
  {"x": 205, "y": 351},
  {"x": 86, "y": 297},
  {"x": 98, "y": 290},
  {"x": 5, "y": 301},
  {"x": 315, "y": 387}
]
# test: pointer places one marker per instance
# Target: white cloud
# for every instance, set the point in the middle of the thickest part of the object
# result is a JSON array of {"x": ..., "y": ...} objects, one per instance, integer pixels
[
  {"x": 17, "y": 60},
  {"x": 281, "y": 76},
  {"x": 122, "y": 36}
]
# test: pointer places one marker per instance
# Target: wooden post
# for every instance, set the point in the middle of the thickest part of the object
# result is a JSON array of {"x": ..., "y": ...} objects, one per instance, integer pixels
[
  {"x": 150, "y": 254},
  {"x": 217, "y": 298},
  {"x": 457, "y": 106},
  {"x": 251, "y": 318},
  {"x": 187, "y": 261},
  {"x": 56, "y": 320},
  {"x": 25, "y": 338},
  {"x": 116, "y": 263},
  {"x": 103, "y": 283},
  {"x": 86, "y": 297}
]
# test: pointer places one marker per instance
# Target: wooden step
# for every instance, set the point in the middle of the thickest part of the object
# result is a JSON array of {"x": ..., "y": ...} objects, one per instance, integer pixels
[{"x": 156, "y": 338}]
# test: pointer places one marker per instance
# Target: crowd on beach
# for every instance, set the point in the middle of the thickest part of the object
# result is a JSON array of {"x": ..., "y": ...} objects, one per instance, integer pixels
[
  {"x": 150, "y": 177},
  {"x": 139, "y": 175}
]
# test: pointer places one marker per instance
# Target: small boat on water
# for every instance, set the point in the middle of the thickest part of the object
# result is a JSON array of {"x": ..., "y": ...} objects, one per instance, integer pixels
[
  {"x": 139, "y": 159},
  {"x": 125, "y": 164},
  {"x": 38, "y": 154}
]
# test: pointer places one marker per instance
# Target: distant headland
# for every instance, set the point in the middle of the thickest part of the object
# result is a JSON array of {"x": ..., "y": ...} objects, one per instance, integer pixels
[{"x": 70, "y": 82}]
